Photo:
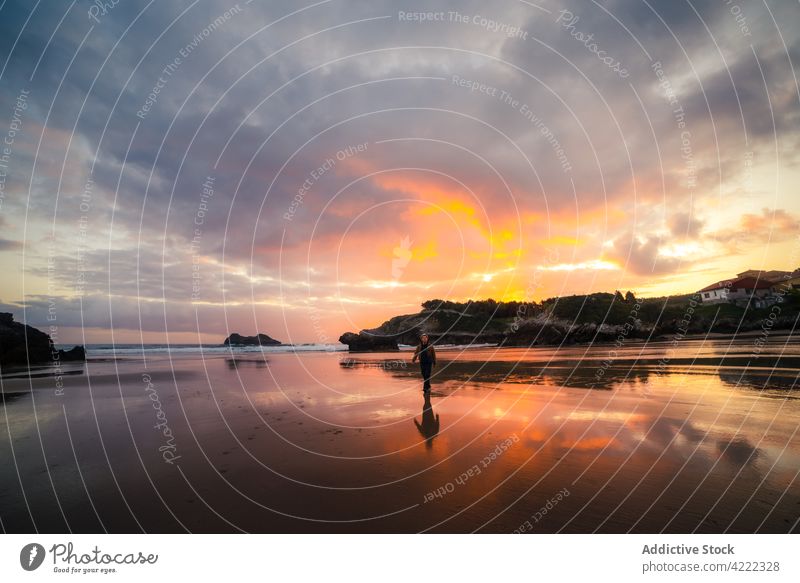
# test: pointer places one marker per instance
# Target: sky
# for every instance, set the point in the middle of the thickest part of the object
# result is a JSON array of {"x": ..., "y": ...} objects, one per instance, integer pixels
[{"x": 174, "y": 172}]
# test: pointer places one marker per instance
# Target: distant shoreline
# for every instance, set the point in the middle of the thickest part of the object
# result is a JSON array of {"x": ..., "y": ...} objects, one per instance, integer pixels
[{"x": 92, "y": 349}]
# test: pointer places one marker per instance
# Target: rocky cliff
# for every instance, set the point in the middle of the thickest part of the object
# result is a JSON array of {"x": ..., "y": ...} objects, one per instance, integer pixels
[
  {"x": 22, "y": 345},
  {"x": 444, "y": 326},
  {"x": 598, "y": 317}
]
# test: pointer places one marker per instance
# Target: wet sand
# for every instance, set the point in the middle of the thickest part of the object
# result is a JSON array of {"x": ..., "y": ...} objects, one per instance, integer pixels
[{"x": 702, "y": 438}]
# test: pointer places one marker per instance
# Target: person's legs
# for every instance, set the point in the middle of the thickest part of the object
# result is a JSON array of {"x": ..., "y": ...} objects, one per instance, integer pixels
[{"x": 426, "y": 375}]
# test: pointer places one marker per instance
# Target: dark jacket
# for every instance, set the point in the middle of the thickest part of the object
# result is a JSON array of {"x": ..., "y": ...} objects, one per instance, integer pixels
[{"x": 425, "y": 352}]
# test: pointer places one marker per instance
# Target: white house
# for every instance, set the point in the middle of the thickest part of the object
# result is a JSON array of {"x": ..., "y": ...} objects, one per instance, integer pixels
[{"x": 737, "y": 291}]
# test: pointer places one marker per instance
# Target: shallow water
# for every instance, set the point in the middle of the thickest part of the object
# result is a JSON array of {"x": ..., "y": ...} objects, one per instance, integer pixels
[{"x": 701, "y": 436}]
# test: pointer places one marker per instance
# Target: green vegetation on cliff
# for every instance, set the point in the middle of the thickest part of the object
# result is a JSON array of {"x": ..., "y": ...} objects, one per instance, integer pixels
[{"x": 598, "y": 317}]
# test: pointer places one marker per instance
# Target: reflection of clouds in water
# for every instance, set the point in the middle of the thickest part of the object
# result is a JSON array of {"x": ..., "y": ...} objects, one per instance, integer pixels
[
  {"x": 682, "y": 434},
  {"x": 620, "y": 416},
  {"x": 387, "y": 414},
  {"x": 664, "y": 430},
  {"x": 353, "y": 399},
  {"x": 586, "y": 431},
  {"x": 610, "y": 441},
  {"x": 623, "y": 431},
  {"x": 738, "y": 451}
]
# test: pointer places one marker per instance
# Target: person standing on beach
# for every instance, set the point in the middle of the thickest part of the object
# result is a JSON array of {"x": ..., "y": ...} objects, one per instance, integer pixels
[{"x": 426, "y": 354}]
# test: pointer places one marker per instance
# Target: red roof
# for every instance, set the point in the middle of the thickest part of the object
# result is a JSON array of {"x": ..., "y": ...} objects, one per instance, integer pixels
[{"x": 739, "y": 282}]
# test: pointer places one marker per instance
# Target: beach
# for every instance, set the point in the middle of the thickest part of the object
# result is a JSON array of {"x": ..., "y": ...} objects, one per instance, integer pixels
[{"x": 699, "y": 436}]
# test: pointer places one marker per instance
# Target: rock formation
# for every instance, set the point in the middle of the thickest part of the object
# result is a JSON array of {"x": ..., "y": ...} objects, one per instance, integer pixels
[
  {"x": 257, "y": 340},
  {"x": 368, "y": 341},
  {"x": 22, "y": 345}
]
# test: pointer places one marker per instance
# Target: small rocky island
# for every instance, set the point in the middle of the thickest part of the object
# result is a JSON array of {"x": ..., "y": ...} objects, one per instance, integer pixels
[
  {"x": 369, "y": 341},
  {"x": 257, "y": 340},
  {"x": 21, "y": 345}
]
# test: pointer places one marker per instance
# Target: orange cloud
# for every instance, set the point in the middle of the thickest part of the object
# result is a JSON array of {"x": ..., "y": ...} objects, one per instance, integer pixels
[{"x": 772, "y": 223}]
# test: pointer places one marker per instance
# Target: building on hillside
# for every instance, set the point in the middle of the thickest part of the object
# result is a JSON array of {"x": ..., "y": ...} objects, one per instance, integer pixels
[
  {"x": 788, "y": 283},
  {"x": 739, "y": 291}
]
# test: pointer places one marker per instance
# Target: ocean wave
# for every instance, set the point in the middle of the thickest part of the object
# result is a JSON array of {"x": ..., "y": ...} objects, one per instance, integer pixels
[{"x": 106, "y": 350}]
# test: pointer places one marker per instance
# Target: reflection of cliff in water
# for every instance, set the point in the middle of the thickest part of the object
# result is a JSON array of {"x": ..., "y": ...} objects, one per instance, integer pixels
[
  {"x": 590, "y": 374},
  {"x": 761, "y": 379},
  {"x": 777, "y": 373},
  {"x": 9, "y": 397},
  {"x": 234, "y": 363}
]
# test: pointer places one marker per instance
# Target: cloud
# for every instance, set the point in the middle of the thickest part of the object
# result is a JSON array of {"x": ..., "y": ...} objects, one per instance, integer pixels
[
  {"x": 6, "y": 245},
  {"x": 769, "y": 226},
  {"x": 641, "y": 256},
  {"x": 262, "y": 107},
  {"x": 773, "y": 223},
  {"x": 685, "y": 225}
]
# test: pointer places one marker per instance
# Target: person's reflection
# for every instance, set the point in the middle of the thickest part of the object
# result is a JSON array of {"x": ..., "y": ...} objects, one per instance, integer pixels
[{"x": 429, "y": 427}]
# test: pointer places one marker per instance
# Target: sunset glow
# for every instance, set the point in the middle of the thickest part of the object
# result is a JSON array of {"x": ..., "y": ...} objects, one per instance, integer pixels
[{"x": 375, "y": 181}]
